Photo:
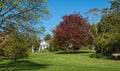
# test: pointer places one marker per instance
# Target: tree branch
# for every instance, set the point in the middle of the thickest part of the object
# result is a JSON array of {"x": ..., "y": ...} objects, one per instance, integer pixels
[
  {"x": 7, "y": 11},
  {"x": 1, "y": 7}
]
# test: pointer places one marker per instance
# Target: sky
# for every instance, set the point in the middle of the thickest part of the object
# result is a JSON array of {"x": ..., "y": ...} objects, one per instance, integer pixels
[{"x": 59, "y": 8}]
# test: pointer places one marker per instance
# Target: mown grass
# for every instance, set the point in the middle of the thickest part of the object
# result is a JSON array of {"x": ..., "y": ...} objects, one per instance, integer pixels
[{"x": 60, "y": 61}]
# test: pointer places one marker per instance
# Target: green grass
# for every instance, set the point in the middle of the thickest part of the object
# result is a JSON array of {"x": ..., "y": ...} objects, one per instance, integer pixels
[{"x": 46, "y": 61}]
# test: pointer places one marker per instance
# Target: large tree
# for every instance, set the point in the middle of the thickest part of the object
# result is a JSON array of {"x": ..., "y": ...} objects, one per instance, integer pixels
[
  {"x": 25, "y": 14},
  {"x": 14, "y": 46},
  {"x": 18, "y": 17},
  {"x": 107, "y": 41},
  {"x": 72, "y": 31}
]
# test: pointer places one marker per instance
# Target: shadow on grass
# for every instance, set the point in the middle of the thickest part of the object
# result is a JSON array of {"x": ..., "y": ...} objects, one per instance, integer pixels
[
  {"x": 111, "y": 58},
  {"x": 22, "y": 66},
  {"x": 73, "y": 52}
]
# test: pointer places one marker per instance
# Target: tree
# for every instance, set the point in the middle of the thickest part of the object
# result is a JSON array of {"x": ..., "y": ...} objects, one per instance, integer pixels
[
  {"x": 94, "y": 15},
  {"x": 48, "y": 37},
  {"x": 15, "y": 46},
  {"x": 73, "y": 30},
  {"x": 52, "y": 45},
  {"x": 107, "y": 42},
  {"x": 24, "y": 14},
  {"x": 115, "y": 7},
  {"x": 34, "y": 42},
  {"x": 18, "y": 17}
]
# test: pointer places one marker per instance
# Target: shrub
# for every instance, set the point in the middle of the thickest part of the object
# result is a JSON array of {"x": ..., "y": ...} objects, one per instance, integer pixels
[
  {"x": 99, "y": 55},
  {"x": 94, "y": 55},
  {"x": 84, "y": 48}
]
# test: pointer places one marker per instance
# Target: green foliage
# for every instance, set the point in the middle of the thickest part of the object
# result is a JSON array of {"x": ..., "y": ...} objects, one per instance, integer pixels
[
  {"x": 48, "y": 37},
  {"x": 110, "y": 42},
  {"x": 115, "y": 6},
  {"x": 92, "y": 55},
  {"x": 15, "y": 47},
  {"x": 94, "y": 30},
  {"x": 15, "y": 44},
  {"x": 43, "y": 1},
  {"x": 53, "y": 46},
  {"x": 100, "y": 42},
  {"x": 99, "y": 55},
  {"x": 85, "y": 47},
  {"x": 96, "y": 55},
  {"x": 25, "y": 14},
  {"x": 107, "y": 41},
  {"x": 110, "y": 23},
  {"x": 34, "y": 41}
]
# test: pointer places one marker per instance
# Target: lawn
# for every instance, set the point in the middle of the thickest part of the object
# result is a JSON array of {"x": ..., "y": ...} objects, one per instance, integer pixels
[{"x": 47, "y": 61}]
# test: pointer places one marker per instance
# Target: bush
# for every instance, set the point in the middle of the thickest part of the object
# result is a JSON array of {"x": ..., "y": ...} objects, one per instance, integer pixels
[
  {"x": 84, "y": 48},
  {"x": 99, "y": 55},
  {"x": 94, "y": 55}
]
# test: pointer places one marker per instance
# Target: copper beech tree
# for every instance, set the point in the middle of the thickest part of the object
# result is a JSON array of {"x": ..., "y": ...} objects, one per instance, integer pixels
[{"x": 72, "y": 31}]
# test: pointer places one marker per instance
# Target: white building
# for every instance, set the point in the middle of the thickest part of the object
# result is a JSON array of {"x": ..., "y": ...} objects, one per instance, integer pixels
[{"x": 44, "y": 45}]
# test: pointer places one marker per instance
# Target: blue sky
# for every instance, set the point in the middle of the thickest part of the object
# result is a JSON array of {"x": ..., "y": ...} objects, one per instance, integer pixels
[{"x": 59, "y": 8}]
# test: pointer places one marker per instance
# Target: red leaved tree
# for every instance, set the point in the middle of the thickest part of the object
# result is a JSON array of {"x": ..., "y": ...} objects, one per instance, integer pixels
[{"x": 73, "y": 30}]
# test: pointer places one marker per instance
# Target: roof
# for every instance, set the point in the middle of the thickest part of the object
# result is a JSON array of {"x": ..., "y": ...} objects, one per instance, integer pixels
[{"x": 44, "y": 43}]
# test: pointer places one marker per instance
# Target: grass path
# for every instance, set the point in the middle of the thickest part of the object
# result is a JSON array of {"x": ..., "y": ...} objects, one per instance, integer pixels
[{"x": 46, "y": 61}]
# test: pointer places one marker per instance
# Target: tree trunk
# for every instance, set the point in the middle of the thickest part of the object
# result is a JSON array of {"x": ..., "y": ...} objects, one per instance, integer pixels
[{"x": 15, "y": 57}]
